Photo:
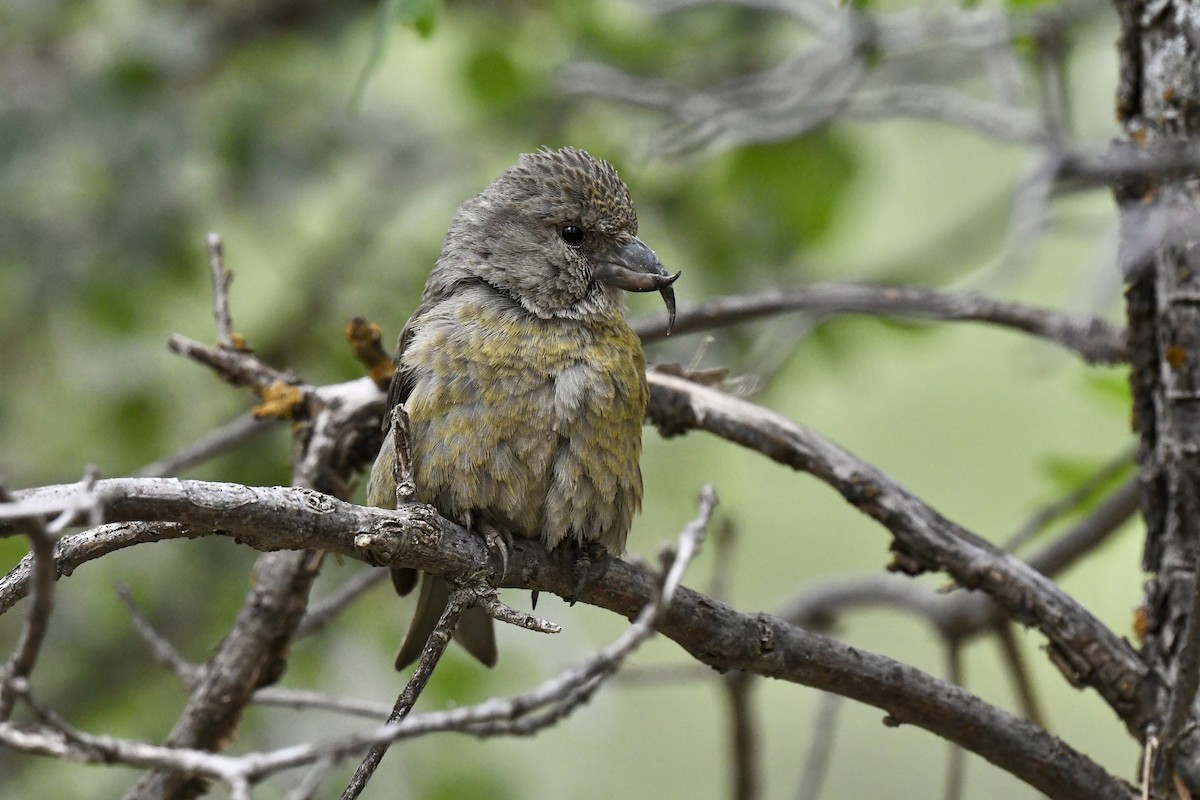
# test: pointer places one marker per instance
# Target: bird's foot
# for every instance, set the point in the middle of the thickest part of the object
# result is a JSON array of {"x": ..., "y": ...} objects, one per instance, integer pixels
[
  {"x": 499, "y": 542},
  {"x": 591, "y": 561}
]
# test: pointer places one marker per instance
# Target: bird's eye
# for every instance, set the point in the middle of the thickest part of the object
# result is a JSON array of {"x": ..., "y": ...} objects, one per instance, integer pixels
[{"x": 572, "y": 235}]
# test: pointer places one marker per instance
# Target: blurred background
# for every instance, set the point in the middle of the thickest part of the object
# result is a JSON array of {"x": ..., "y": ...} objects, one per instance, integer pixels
[{"x": 329, "y": 144}]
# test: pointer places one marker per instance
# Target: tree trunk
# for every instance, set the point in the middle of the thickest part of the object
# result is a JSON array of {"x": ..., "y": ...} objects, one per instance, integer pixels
[{"x": 1159, "y": 105}]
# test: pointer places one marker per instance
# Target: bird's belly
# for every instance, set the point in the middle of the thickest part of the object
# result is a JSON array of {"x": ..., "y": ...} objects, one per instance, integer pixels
[{"x": 545, "y": 445}]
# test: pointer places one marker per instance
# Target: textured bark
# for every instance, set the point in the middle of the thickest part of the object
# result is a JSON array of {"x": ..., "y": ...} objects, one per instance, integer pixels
[
  {"x": 1158, "y": 102},
  {"x": 711, "y": 631},
  {"x": 339, "y": 429}
]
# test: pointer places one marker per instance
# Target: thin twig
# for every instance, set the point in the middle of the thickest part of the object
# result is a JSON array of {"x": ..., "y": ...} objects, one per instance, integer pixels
[
  {"x": 160, "y": 647},
  {"x": 320, "y": 613},
  {"x": 310, "y": 784},
  {"x": 402, "y": 466},
  {"x": 1018, "y": 672},
  {"x": 724, "y": 546},
  {"x": 221, "y": 279},
  {"x": 1090, "y": 532},
  {"x": 1096, "y": 340},
  {"x": 820, "y": 749},
  {"x": 218, "y": 441},
  {"x": 1148, "y": 752},
  {"x": 301, "y": 700},
  {"x": 37, "y": 618},
  {"x": 72, "y": 551},
  {"x": 490, "y": 602},
  {"x": 460, "y": 600},
  {"x": 957, "y": 757},
  {"x": 1072, "y": 500},
  {"x": 743, "y": 736}
]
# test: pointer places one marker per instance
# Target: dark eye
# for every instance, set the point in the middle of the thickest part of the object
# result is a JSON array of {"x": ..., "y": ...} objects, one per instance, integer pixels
[{"x": 572, "y": 235}]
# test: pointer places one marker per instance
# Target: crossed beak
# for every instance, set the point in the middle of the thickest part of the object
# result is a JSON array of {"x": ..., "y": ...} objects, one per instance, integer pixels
[{"x": 634, "y": 268}]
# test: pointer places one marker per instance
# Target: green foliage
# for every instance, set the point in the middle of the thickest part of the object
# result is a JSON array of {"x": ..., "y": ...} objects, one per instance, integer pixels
[
  {"x": 420, "y": 14},
  {"x": 750, "y": 213},
  {"x": 1111, "y": 387},
  {"x": 470, "y": 784}
]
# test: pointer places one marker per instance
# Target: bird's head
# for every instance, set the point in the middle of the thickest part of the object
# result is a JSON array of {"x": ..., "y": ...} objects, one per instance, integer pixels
[{"x": 558, "y": 234}]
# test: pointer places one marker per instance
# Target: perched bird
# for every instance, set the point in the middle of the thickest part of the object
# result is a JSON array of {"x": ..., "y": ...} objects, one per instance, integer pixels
[{"x": 524, "y": 386}]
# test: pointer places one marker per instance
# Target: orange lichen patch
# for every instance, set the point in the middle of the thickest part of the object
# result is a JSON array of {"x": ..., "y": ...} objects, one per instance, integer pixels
[
  {"x": 239, "y": 343},
  {"x": 280, "y": 401},
  {"x": 365, "y": 340},
  {"x": 1140, "y": 622},
  {"x": 1176, "y": 356}
]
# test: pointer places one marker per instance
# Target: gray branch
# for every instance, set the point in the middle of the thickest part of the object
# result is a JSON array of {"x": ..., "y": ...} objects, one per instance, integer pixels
[
  {"x": 1096, "y": 340},
  {"x": 414, "y": 536}
]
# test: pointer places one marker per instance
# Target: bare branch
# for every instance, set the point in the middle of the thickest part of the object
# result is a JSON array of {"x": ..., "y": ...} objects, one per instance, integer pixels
[
  {"x": 1018, "y": 671},
  {"x": 240, "y": 367},
  {"x": 957, "y": 615},
  {"x": 820, "y": 749},
  {"x": 248, "y": 658},
  {"x": 402, "y": 469},
  {"x": 72, "y": 551},
  {"x": 221, "y": 279},
  {"x": 37, "y": 618},
  {"x": 214, "y": 443},
  {"x": 743, "y": 727},
  {"x": 711, "y": 631},
  {"x": 923, "y": 539},
  {"x": 490, "y": 602},
  {"x": 1070, "y": 501},
  {"x": 1179, "y": 712},
  {"x": 311, "y": 783},
  {"x": 323, "y": 611},
  {"x": 334, "y": 422},
  {"x": 164, "y": 652},
  {"x": 304, "y": 700},
  {"x": 857, "y": 65},
  {"x": 460, "y": 600},
  {"x": 519, "y": 715},
  {"x": 1097, "y": 340},
  {"x": 956, "y": 759}
]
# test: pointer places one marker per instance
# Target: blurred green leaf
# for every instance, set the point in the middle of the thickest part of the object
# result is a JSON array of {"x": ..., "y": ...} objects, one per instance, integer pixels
[
  {"x": 1022, "y": 5},
  {"x": 468, "y": 783},
  {"x": 1067, "y": 473},
  {"x": 420, "y": 14},
  {"x": 1111, "y": 386},
  {"x": 492, "y": 76},
  {"x": 753, "y": 210}
]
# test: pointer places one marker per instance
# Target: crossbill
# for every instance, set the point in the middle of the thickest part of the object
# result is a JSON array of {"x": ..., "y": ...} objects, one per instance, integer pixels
[{"x": 524, "y": 386}]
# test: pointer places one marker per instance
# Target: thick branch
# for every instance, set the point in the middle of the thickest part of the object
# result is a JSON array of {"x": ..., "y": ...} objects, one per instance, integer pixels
[
  {"x": 923, "y": 539},
  {"x": 711, "y": 631}
]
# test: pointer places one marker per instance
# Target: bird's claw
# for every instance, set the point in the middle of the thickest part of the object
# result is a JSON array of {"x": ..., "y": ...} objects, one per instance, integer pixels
[
  {"x": 589, "y": 556},
  {"x": 499, "y": 542}
]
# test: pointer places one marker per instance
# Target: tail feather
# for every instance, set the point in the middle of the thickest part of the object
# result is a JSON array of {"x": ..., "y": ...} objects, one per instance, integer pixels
[{"x": 475, "y": 632}]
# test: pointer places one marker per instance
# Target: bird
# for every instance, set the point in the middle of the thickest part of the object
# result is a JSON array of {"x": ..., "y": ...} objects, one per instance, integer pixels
[{"x": 524, "y": 386}]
